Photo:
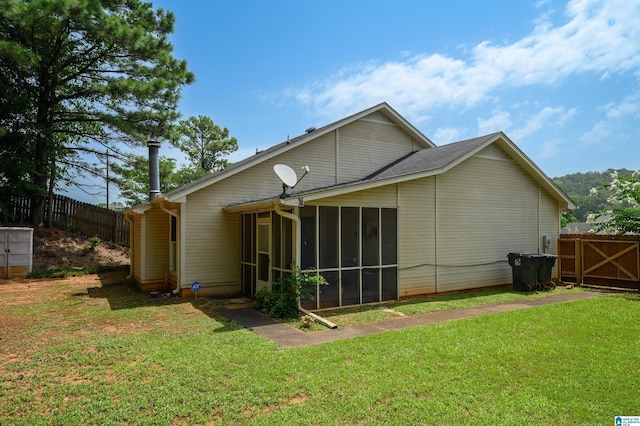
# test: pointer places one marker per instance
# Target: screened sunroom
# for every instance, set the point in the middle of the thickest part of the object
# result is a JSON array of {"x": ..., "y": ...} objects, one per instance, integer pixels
[{"x": 354, "y": 248}]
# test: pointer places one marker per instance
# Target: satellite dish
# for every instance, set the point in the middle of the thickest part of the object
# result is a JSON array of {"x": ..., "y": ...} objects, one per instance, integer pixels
[{"x": 286, "y": 175}]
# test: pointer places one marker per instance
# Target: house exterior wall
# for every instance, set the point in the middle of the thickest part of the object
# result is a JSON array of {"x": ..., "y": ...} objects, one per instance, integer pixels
[
  {"x": 136, "y": 248},
  {"x": 466, "y": 221},
  {"x": 385, "y": 196},
  {"x": 550, "y": 213},
  {"x": 156, "y": 251},
  {"x": 212, "y": 242},
  {"x": 487, "y": 207},
  {"x": 416, "y": 237},
  {"x": 217, "y": 266},
  {"x": 367, "y": 145}
]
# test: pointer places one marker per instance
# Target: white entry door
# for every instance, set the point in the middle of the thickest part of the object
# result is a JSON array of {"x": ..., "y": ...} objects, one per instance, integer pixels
[{"x": 263, "y": 278}]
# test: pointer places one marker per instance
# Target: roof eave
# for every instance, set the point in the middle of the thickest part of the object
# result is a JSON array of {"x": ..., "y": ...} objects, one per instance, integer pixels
[
  {"x": 178, "y": 195},
  {"x": 546, "y": 182}
]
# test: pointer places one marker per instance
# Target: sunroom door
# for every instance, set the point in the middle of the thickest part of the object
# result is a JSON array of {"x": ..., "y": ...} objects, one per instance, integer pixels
[{"x": 263, "y": 271}]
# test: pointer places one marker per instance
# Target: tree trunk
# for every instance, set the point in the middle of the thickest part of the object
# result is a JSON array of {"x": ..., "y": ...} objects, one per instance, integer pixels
[
  {"x": 52, "y": 183},
  {"x": 43, "y": 142}
]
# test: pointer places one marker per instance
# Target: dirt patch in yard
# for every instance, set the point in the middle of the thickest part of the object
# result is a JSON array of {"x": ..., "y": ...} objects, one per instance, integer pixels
[{"x": 55, "y": 248}]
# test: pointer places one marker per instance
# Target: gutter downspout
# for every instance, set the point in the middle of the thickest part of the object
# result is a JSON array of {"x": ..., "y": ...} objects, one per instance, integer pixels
[
  {"x": 166, "y": 210},
  {"x": 296, "y": 220}
]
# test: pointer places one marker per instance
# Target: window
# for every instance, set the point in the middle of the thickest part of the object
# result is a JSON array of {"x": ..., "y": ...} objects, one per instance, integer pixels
[
  {"x": 328, "y": 237},
  {"x": 350, "y": 236},
  {"x": 370, "y": 237},
  {"x": 308, "y": 240},
  {"x": 356, "y": 249}
]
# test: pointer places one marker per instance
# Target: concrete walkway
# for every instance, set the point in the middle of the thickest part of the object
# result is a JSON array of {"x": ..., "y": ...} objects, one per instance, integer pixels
[{"x": 287, "y": 336}]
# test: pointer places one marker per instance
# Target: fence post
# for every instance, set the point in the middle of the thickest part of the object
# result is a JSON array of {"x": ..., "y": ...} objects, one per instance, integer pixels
[
  {"x": 579, "y": 262},
  {"x": 81, "y": 217}
]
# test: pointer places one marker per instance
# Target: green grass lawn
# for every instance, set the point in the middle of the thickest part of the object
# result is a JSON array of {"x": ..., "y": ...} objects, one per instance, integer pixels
[
  {"x": 91, "y": 354},
  {"x": 363, "y": 314}
]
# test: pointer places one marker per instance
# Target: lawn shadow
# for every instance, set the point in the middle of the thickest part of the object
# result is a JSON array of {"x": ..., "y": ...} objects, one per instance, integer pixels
[
  {"x": 442, "y": 297},
  {"x": 461, "y": 295},
  {"x": 122, "y": 293}
]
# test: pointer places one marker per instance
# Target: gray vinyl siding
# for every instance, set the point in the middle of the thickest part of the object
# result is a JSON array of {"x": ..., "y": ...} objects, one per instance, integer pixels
[
  {"x": 487, "y": 208},
  {"x": 366, "y": 146},
  {"x": 385, "y": 196},
  {"x": 379, "y": 117},
  {"x": 454, "y": 229},
  {"x": 136, "y": 248},
  {"x": 212, "y": 242},
  {"x": 156, "y": 224},
  {"x": 416, "y": 236},
  {"x": 212, "y": 237},
  {"x": 550, "y": 213}
]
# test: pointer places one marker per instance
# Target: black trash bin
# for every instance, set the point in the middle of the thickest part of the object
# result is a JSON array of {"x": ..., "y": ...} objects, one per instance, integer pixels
[
  {"x": 524, "y": 268},
  {"x": 544, "y": 272}
]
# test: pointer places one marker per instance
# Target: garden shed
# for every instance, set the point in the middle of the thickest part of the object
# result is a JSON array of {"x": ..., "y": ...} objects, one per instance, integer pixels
[
  {"x": 383, "y": 214},
  {"x": 16, "y": 251}
]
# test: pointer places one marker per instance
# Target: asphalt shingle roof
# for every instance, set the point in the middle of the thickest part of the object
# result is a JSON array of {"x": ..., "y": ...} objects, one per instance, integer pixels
[{"x": 430, "y": 158}]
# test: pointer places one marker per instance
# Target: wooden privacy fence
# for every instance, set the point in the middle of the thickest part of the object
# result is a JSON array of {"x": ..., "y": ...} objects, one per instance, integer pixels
[
  {"x": 84, "y": 218},
  {"x": 605, "y": 260}
]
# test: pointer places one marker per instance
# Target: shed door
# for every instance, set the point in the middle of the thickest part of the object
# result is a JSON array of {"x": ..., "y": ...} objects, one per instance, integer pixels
[
  {"x": 4, "y": 253},
  {"x": 263, "y": 270}
]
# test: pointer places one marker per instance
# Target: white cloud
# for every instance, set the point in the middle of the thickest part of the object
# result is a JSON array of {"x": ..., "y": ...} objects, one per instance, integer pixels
[
  {"x": 444, "y": 136},
  {"x": 549, "y": 148},
  {"x": 547, "y": 117},
  {"x": 599, "y": 36},
  {"x": 628, "y": 107},
  {"x": 599, "y": 132},
  {"x": 615, "y": 114},
  {"x": 500, "y": 121}
]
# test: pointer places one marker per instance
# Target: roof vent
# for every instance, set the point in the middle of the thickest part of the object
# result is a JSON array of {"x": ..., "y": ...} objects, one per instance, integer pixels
[{"x": 310, "y": 130}]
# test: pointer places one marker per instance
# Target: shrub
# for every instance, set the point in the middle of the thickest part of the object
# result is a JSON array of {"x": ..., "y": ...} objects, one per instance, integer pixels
[
  {"x": 91, "y": 245},
  {"x": 282, "y": 301},
  {"x": 624, "y": 217}
]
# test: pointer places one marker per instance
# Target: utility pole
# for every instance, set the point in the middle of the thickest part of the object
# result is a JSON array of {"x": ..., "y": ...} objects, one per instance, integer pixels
[{"x": 107, "y": 153}]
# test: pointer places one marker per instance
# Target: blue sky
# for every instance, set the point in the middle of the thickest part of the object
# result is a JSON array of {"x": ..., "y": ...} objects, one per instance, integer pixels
[{"x": 561, "y": 79}]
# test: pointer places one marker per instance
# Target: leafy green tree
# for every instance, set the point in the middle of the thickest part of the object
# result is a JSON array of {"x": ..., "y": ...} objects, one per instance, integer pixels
[
  {"x": 116, "y": 206},
  {"x": 624, "y": 196},
  {"x": 578, "y": 187},
  {"x": 79, "y": 76},
  {"x": 567, "y": 218},
  {"x": 133, "y": 178},
  {"x": 205, "y": 143}
]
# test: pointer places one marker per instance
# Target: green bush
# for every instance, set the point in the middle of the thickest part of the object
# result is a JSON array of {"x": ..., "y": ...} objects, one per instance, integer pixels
[
  {"x": 282, "y": 301},
  {"x": 91, "y": 245}
]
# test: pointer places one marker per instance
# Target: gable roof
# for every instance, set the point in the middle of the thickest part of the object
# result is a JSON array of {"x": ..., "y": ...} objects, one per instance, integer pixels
[
  {"x": 430, "y": 162},
  {"x": 437, "y": 158},
  {"x": 178, "y": 194}
]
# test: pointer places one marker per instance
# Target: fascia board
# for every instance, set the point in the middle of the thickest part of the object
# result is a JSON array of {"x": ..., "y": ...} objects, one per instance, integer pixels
[
  {"x": 408, "y": 127},
  {"x": 143, "y": 208},
  {"x": 294, "y": 200},
  {"x": 257, "y": 205}
]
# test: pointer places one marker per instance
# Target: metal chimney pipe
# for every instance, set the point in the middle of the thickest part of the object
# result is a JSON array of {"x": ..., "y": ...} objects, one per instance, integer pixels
[{"x": 154, "y": 170}]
